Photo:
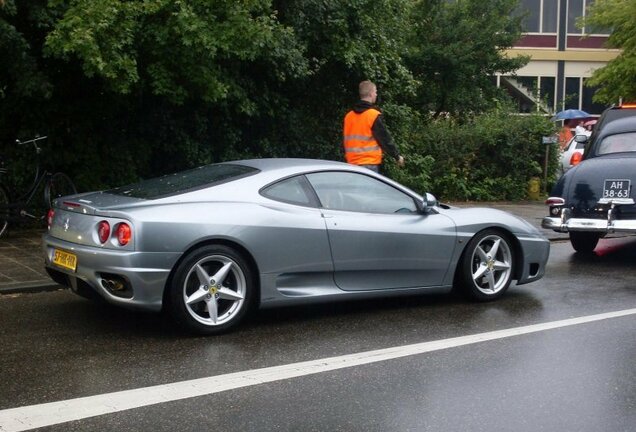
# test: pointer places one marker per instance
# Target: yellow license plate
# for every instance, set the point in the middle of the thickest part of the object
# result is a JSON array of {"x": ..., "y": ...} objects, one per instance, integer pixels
[{"x": 65, "y": 259}]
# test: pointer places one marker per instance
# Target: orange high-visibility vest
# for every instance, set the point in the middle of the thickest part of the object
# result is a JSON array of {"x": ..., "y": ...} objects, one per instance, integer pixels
[{"x": 359, "y": 145}]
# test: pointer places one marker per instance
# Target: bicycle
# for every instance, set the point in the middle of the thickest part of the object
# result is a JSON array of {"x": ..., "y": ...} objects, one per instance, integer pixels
[{"x": 55, "y": 184}]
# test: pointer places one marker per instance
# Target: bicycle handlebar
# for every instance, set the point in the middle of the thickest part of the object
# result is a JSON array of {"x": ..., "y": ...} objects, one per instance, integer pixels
[{"x": 34, "y": 141}]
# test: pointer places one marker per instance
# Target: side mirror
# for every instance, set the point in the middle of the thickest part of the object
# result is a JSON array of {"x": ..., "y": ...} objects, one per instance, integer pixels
[
  {"x": 581, "y": 138},
  {"x": 431, "y": 201},
  {"x": 428, "y": 202}
]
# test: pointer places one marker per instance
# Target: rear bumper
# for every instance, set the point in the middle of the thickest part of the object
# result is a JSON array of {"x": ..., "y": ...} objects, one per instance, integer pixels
[
  {"x": 596, "y": 225},
  {"x": 566, "y": 223},
  {"x": 144, "y": 273}
]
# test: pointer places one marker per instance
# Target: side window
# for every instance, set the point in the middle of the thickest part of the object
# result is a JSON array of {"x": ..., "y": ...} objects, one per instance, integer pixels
[
  {"x": 359, "y": 193},
  {"x": 292, "y": 190}
]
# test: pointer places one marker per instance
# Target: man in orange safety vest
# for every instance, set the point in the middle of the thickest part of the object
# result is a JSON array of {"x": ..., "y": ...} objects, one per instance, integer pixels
[{"x": 365, "y": 137}]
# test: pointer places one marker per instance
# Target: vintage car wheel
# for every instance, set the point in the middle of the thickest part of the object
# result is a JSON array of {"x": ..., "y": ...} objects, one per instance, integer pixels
[
  {"x": 584, "y": 242},
  {"x": 487, "y": 266},
  {"x": 212, "y": 290}
]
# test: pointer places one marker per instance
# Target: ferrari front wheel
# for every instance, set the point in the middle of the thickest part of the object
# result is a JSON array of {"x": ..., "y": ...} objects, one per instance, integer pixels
[
  {"x": 487, "y": 266},
  {"x": 212, "y": 290}
]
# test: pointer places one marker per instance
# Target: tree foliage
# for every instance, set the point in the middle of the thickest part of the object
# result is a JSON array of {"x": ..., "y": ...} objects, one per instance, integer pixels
[
  {"x": 457, "y": 47},
  {"x": 617, "y": 79},
  {"x": 176, "y": 49}
]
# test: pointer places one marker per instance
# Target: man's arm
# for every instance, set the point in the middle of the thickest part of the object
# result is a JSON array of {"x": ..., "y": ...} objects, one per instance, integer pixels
[{"x": 383, "y": 137}]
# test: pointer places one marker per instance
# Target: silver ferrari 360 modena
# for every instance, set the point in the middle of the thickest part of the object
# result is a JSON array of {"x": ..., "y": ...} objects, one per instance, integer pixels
[{"x": 210, "y": 244}]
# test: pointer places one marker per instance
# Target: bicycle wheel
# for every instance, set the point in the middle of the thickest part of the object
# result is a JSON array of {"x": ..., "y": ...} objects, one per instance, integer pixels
[
  {"x": 58, "y": 185},
  {"x": 4, "y": 210}
]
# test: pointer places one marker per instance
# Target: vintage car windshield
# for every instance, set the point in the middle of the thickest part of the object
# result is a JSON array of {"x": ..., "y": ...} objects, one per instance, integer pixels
[
  {"x": 184, "y": 181},
  {"x": 619, "y": 143}
]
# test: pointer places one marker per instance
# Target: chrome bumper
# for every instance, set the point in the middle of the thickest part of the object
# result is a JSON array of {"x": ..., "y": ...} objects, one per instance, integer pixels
[{"x": 565, "y": 223}]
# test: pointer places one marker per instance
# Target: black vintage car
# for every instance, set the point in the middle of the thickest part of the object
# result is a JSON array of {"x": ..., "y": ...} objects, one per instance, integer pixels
[{"x": 597, "y": 196}]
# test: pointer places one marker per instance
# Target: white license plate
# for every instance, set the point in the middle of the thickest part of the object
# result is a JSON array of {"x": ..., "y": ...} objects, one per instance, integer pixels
[
  {"x": 616, "y": 188},
  {"x": 65, "y": 259}
]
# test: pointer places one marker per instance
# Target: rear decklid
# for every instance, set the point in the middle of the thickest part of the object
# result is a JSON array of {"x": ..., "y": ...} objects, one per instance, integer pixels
[
  {"x": 76, "y": 218},
  {"x": 90, "y": 203}
]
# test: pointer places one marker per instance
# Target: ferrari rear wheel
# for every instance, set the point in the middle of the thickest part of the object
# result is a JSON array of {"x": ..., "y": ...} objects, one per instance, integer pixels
[
  {"x": 487, "y": 266},
  {"x": 212, "y": 290},
  {"x": 584, "y": 242}
]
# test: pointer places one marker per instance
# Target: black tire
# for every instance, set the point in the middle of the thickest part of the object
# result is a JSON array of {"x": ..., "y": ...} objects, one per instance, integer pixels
[
  {"x": 4, "y": 210},
  {"x": 584, "y": 242},
  {"x": 59, "y": 185},
  {"x": 487, "y": 266},
  {"x": 232, "y": 295}
]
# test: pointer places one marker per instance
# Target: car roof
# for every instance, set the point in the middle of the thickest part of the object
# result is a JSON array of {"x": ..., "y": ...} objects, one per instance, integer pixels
[
  {"x": 619, "y": 125},
  {"x": 614, "y": 113},
  {"x": 287, "y": 166}
]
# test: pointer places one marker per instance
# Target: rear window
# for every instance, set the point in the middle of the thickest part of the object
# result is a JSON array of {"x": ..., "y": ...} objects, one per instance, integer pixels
[
  {"x": 619, "y": 143},
  {"x": 184, "y": 181}
]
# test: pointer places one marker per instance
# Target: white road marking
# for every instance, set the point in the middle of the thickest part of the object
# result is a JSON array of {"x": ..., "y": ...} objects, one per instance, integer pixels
[{"x": 47, "y": 414}]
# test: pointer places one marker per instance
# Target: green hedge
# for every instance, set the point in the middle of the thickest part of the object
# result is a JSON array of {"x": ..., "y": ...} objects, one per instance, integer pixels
[{"x": 487, "y": 158}]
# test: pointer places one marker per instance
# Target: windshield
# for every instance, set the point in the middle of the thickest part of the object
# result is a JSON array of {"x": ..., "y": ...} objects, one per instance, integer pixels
[
  {"x": 619, "y": 143},
  {"x": 184, "y": 181}
]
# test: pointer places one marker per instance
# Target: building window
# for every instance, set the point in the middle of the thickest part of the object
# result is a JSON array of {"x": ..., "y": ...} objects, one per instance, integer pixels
[
  {"x": 579, "y": 96},
  {"x": 547, "y": 87},
  {"x": 572, "y": 93},
  {"x": 596, "y": 31},
  {"x": 550, "y": 15},
  {"x": 531, "y": 93},
  {"x": 540, "y": 16},
  {"x": 531, "y": 11},
  {"x": 575, "y": 10},
  {"x": 587, "y": 104}
]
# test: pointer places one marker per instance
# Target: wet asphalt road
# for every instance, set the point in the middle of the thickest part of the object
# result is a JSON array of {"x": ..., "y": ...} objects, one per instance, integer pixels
[{"x": 55, "y": 346}]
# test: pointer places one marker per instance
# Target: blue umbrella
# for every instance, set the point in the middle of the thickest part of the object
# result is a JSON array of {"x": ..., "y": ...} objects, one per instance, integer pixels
[{"x": 570, "y": 114}]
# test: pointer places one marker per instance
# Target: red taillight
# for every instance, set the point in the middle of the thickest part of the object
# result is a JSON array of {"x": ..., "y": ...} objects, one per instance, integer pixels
[
  {"x": 576, "y": 158},
  {"x": 49, "y": 217},
  {"x": 124, "y": 234},
  {"x": 555, "y": 201},
  {"x": 103, "y": 231}
]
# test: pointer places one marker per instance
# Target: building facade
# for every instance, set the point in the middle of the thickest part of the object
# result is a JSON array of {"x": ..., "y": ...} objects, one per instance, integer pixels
[{"x": 563, "y": 57}]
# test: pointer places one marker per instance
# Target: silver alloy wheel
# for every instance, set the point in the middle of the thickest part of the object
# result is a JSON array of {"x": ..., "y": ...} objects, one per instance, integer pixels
[
  {"x": 491, "y": 265},
  {"x": 214, "y": 290}
]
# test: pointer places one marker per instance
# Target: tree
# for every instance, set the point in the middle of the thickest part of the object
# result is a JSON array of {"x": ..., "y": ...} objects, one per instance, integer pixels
[
  {"x": 457, "y": 47},
  {"x": 345, "y": 43},
  {"x": 617, "y": 79},
  {"x": 148, "y": 86}
]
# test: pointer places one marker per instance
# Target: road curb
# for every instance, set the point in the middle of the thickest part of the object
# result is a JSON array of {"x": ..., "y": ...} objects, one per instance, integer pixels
[{"x": 26, "y": 288}]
